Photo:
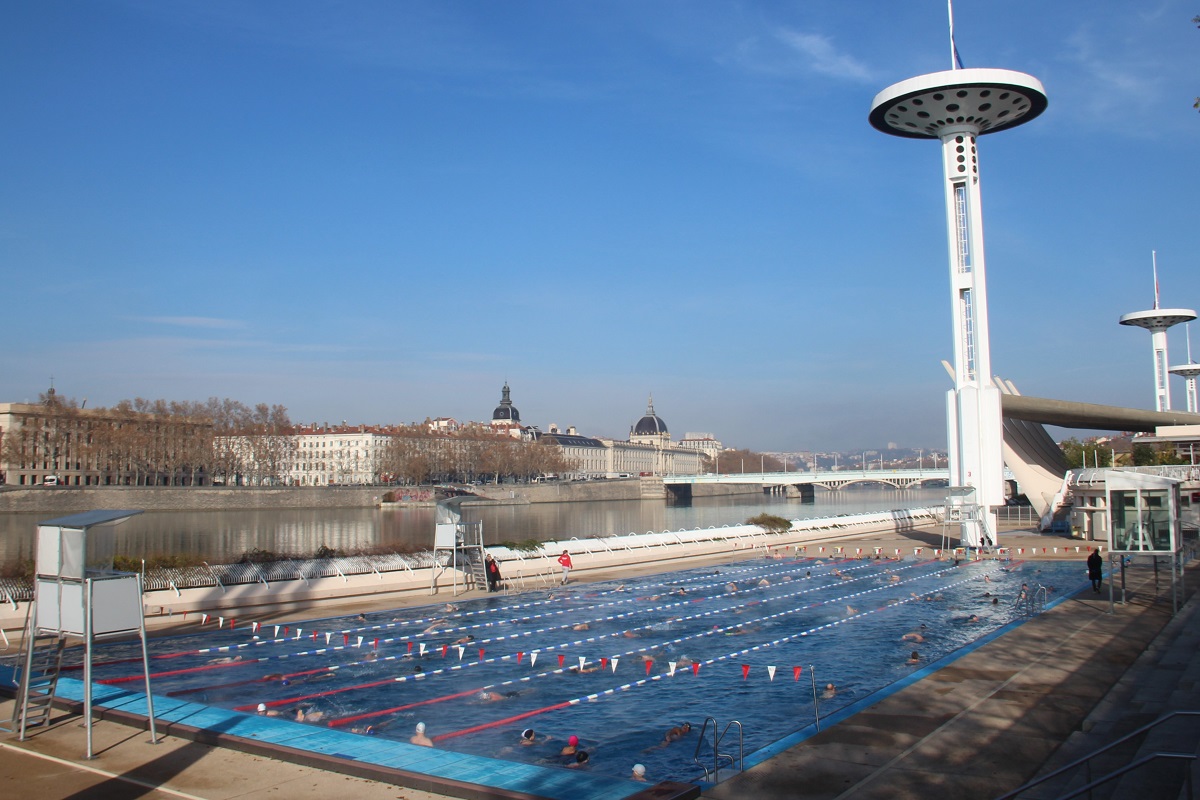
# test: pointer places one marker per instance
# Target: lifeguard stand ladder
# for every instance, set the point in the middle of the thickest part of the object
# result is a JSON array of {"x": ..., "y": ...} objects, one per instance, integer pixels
[
  {"x": 462, "y": 542},
  {"x": 76, "y": 593},
  {"x": 962, "y": 512}
]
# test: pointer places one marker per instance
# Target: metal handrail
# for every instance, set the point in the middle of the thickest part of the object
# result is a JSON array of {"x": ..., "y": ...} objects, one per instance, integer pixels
[
  {"x": 1141, "y": 762},
  {"x": 1086, "y": 760}
]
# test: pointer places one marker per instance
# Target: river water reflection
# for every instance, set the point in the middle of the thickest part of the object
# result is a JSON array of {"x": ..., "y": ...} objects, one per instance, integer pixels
[{"x": 221, "y": 536}]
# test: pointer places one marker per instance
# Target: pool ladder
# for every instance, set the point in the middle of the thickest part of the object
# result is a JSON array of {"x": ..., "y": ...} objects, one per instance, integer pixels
[{"x": 718, "y": 758}]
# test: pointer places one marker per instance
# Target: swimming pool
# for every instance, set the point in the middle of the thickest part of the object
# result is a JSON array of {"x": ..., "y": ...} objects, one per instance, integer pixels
[{"x": 617, "y": 664}]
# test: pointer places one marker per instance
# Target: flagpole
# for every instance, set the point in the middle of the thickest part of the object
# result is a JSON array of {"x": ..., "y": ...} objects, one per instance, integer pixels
[
  {"x": 1154, "y": 262},
  {"x": 953, "y": 49}
]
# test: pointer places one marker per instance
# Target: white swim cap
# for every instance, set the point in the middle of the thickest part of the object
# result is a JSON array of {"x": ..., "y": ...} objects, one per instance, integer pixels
[
  {"x": 420, "y": 727},
  {"x": 262, "y": 706},
  {"x": 638, "y": 769}
]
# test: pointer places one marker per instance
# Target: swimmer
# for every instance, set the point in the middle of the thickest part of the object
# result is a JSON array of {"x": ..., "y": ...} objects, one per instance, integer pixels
[
  {"x": 371, "y": 656},
  {"x": 830, "y": 691},
  {"x": 912, "y": 637},
  {"x": 646, "y": 658},
  {"x": 308, "y": 716},
  {"x": 764, "y": 583},
  {"x": 678, "y": 732},
  {"x": 786, "y": 579},
  {"x": 492, "y": 697},
  {"x": 586, "y": 668},
  {"x": 361, "y": 618},
  {"x": 972, "y": 619},
  {"x": 368, "y": 730},
  {"x": 914, "y": 658},
  {"x": 894, "y": 578},
  {"x": 807, "y": 574},
  {"x": 680, "y": 591},
  {"x": 639, "y": 772},
  {"x": 582, "y": 626},
  {"x": 449, "y": 608},
  {"x": 225, "y": 660},
  {"x": 851, "y": 611},
  {"x": 263, "y": 711},
  {"x": 995, "y": 601},
  {"x": 572, "y": 745},
  {"x": 630, "y": 634},
  {"x": 731, "y": 587},
  {"x": 420, "y": 738},
  {"x": 274, "y": 676},
  {"x": 581, "y": 760},
  {"x": 437, "y": 623},
  {"x": 464, "y": 640},
  {"x": 529, "y": 738},
  {"x": 683, "y": 662}
]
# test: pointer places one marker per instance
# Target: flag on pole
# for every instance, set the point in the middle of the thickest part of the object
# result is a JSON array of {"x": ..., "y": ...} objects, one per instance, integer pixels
[{"x": 956, "y": 59}]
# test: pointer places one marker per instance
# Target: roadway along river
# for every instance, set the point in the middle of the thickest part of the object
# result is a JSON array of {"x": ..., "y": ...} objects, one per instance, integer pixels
[{"x": 222, "y": 536}]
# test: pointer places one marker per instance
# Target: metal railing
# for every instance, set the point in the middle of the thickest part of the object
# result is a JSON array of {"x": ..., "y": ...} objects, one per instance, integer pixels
[
  {"x": 719, "y": 758},
  {"x": 1086, "y": 761}
]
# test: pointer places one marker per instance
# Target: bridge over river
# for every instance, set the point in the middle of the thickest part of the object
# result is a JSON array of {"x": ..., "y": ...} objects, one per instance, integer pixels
[{"x": 801, "y": 483}]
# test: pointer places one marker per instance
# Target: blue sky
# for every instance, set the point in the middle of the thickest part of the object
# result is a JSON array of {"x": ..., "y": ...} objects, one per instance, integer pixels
[{"x": 378, "y": 212}]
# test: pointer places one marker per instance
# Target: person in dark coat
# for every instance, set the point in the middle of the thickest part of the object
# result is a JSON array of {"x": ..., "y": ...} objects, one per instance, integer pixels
[
  {"x": 493, "y": 573},
  {"x": 1095, "y": 569}
]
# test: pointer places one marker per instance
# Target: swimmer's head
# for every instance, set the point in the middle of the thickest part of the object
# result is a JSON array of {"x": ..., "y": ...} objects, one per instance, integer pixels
[
  {"x": 581, "y": 757},
  {"x": 420, "y": 727},
  {"x": 573, "y": 740},
  {"x": 262, "y": 707},
  {"x": 687, "y": 726},
  {"x": 639, "y": 770},
  {"x": 527, "y": 734},
  {"x": 285, "y": 682}
]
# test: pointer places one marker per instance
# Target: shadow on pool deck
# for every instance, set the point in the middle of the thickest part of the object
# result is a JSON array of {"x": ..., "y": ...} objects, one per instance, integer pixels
[{"x": 976, "y": 728}]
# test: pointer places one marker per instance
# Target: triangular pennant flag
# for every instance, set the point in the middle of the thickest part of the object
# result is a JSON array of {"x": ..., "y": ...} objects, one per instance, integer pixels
[
  {"x": 299, "y": 632},
  {"x": 481, "y": 654},
  {"x": 276, "y": 631},
  {"x": 520, "y": 655},
  {"x": 204, "y": 619},
  {"x": 581, "y": 663},
  {"x": 745, "y": 671},
  {"x": 671, "y": 668},
  {"x": 255, "y": 627},
  {"x": 410, "y": 647},
  {"x": 220, "y": 622},
  {"x": 421, "y": 649},
  {"x": 460, "y": 650},
  {"x": 359, "y": 643},
  {"x": 345, "y": 638},
  {"x": 232, "y": 624},
  {"x": 796, "y": 673},
  {"x": 314, "y": 636},
  {"x": 561, "y": 659},
  {"x": 771, "y": 672},
  {"x": 603, "y": 663},
  {"x": 615, "y": 660},
  {"x": 286, "y": 631},
  {"x": 533, "y": 658},
  {"x": 649, "y": 665},
  {"x": 375, "y": 645},
  {"x": 696, "y": 668},
  {"x": 445, "y": 648},
  {"x": 328, "y": 636}
]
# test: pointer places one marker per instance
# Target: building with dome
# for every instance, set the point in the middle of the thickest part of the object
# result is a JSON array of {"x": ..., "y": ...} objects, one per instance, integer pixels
[
  {"x": 505, "y": 417},
  {"x": 650, "y": 429}
]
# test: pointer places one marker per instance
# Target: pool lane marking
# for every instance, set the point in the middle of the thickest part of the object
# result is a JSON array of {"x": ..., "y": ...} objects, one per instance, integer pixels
[
  {"x": 326, "y": 650},
  {"x": 613, "y": 658},
  {"x": 158, "y": 787},
  {"x": 659, "y": 676},
  {"x": 392, "y": 640}
]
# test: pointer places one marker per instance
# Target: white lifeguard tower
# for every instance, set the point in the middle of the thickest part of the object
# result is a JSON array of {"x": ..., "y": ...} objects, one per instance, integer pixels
[
  {"x": 956, "y": 107},
  {"x": 461, "y": 544},
  {"x": 76, "y": 593},
  {"x": 1157, "y": 321},
  {"x": 1143, "y": 520}
]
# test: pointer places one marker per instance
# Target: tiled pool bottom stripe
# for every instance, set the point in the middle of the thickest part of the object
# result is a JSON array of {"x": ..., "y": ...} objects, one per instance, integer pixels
[{"x": 511, "y": 779}]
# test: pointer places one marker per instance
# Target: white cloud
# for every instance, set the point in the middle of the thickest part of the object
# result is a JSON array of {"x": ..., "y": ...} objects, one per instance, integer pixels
[{"x": 821, "y": 56}]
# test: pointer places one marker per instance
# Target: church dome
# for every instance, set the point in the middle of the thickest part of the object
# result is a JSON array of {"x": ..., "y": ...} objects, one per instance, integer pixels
[
  {"x": 506, "y": 411},
  {"x": 651, "y": 424}
]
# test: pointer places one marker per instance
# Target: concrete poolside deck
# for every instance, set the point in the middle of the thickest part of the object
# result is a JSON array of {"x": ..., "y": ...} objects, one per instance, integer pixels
[{"x": 976, "y": 728}]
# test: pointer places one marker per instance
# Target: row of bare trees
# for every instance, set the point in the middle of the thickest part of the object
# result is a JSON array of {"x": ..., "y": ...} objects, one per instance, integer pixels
[{"x": 143, "y": 442}]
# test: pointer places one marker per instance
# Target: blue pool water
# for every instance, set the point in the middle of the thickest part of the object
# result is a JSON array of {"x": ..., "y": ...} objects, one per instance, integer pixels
[{"x": 657, "y": 651}]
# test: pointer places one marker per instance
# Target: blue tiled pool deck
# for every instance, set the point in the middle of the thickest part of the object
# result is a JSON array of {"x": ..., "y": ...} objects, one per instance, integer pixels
[{"x": 363, "y": 756}]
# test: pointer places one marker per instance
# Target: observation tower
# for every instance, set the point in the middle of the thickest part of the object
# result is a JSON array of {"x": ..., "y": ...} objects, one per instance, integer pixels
[
  {"x": 1157, "y": 320},
  {"x": 1189, "y": 371},
  {"x": 956, "y": 107}
]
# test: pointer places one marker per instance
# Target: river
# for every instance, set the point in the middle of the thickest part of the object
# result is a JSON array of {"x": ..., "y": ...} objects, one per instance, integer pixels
[{"x": 222, "y": 536}]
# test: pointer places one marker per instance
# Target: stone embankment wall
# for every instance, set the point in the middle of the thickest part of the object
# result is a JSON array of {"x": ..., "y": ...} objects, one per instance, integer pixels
[{"x": 73, "y": 499}]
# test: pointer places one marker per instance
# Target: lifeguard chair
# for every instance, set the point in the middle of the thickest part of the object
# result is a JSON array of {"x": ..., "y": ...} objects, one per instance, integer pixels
[
  {"x": 460, "y": 544},
  {"x": 77, "y": 592}
]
